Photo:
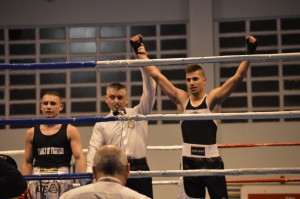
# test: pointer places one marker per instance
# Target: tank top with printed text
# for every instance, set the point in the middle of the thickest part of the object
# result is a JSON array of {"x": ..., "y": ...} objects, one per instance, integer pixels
[{"x": 51, "y": 150}]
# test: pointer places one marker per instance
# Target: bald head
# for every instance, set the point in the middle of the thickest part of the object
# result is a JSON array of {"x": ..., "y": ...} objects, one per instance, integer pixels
[{"x": 110, "y": 160}]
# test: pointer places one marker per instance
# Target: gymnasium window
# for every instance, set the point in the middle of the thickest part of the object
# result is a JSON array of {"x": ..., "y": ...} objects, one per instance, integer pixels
[
  {"x": 269, "y": 86},
  {"x": 82, "y": 90}
]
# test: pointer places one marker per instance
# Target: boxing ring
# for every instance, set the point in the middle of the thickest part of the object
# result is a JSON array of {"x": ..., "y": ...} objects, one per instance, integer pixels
[{"x": 169, "y": 117}]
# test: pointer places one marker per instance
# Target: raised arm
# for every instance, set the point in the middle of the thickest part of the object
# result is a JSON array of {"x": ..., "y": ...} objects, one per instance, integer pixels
[
  {"x": 27, "y": 165},
  {"x": 178, "y": 96},
  {"x": 218, "y": 95},
  {"x": 76, "y": 146},
  {"x": 148, "y": 97}
]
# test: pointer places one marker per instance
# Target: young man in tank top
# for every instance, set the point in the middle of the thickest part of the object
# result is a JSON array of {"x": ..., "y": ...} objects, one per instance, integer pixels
[
  {"x": 49, "y": 149},
  {"x": 199, "y": 148}
]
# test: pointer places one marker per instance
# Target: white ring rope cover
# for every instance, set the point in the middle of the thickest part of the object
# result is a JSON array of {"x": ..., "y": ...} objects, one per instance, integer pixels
[
  {"x": 216, "y": 116},
  {"x": 214, "y": 172},
  {"x": 147, "y": 62},
  {"x": 194, "y": 60},
  {"x": 178, "y": 147},
  {"x": 155, "y": 117},
  {"x": 179, "y": 173}
]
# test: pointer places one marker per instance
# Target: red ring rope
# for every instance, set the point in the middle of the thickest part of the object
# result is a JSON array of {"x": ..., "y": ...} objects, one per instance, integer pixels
[
  {"x": 258, "y": 145},
  {"x": 263, "y": 180}
]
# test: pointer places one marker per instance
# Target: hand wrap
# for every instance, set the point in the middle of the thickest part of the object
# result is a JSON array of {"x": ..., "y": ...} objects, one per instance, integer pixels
[
  {"x": 251, "y": 47},
  {"x": 136, "y": 44},
  {"x": 25, "y": 195}
]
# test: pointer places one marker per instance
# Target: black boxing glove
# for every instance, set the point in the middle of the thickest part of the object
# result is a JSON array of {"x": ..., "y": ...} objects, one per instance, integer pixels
[
  {"x": 251, "y": 47},
  {"x": 136, "y": 44}
]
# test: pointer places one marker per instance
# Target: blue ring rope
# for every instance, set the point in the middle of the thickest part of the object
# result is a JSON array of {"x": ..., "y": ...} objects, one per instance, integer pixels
[
  {"x": 147, "y": 62},
  {"x": 35, "y": 121},
  {"x": 66, "y": 176},
  {"x": 57, "y": 65}
]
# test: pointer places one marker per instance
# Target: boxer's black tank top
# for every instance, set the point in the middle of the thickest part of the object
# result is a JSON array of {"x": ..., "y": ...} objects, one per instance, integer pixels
[
  {"x": 51, "y": 150},
  {"x": 198, "y": 131}
]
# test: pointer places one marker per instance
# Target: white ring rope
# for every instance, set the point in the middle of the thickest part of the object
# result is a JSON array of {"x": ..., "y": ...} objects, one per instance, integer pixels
[
  {"x": 216, "y": 116},
  {"x": 21, "y": 152},
  {"x": 233, "y": 181},
  {"x": 147, "y": 62},
  {"x": 178, "y": 147},
  {"x": 214, "y": 172},
  {"x": 178, "y": 173},
  {"x": 154, "y": 117},
  {"x": 191, "y": 60},
  {"x": 165, "y": 182},
  {"x": 174, "y": 147}
]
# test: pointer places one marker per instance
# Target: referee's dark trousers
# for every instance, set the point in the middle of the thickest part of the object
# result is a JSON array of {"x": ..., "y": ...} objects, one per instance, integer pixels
[{"x": 141, "y": 185}]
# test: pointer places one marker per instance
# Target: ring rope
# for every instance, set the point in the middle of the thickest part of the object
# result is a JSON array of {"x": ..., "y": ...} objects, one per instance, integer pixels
[
  {"x": 214, "y": 172},
  {"x": 235, "y": 145},
  {"x": 256, "y": 180},
  {"x": 154, "y": 117},
  {"x": 56, "y": 65},
  {"x": 193, "y": 60},
  {"x": 147, "y": 62},
  {"x": 178, "y": 147},
  {"x": 174, "y": 173},
  {"x": 231, "y": 181},
  {"x": 165, "y": 182},
  {"x": 79, "y": 120},
  {"x": 263, "y": 180},
  {"x": 258, "y": 144}
]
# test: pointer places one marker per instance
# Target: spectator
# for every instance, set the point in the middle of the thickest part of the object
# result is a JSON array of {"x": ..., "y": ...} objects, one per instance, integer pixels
[{"x": 12, "y": 182}]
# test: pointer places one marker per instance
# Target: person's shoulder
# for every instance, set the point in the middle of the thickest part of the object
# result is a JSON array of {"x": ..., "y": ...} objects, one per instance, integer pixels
[
  {"x": 71, "y": 127},
  {"x": 30, "y": 129},
  {"x": 130, "y": 109},
  {"x": 72, "y": 131},
  {"x": 135, "y": 110},
  {"x": 74, "y": 193},
  {"x": 30, "y": 132},
  {"x": 101, "y": 124},
  {"x": 134, "y": 194}
]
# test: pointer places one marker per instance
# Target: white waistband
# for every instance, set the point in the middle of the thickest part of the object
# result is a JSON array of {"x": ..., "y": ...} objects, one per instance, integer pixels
[{"x": 199, "y": 150}]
